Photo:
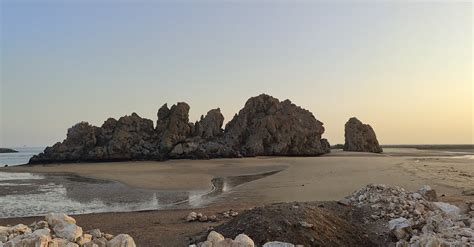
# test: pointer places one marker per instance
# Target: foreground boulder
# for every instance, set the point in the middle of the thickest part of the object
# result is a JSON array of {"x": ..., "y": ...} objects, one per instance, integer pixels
[
  {"x": 59, "y": 230},
  {"x": 265, "y": 126},
  {"x": 360, "y": 137}
]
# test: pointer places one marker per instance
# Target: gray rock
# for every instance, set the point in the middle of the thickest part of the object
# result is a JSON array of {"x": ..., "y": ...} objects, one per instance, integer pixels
[
  {"x": 278, "y": 244},
  {"x": 210, "y": 126},
  {"x": 399, "y": 227},
  {"x": 450, "y": 210},
  {"x": 360, "y": 137},
  {"x": 121, "y": 240}
]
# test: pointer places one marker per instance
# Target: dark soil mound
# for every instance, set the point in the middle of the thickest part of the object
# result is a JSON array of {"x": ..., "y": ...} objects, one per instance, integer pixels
[{"x": 296, "y": 223}]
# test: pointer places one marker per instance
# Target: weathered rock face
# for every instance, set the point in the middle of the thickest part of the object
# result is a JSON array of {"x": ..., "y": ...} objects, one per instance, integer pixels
[
  {"x": 360, "y": 137},
  {"x": 265, "y": 126},
  {"x": 130, "y": 137},
  {"x": 210, "y": 126},
  {"x": 80, "y": 138},
  {"x": 173, "y": 126}
]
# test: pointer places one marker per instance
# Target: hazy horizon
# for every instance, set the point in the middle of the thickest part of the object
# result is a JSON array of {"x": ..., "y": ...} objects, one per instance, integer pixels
[{"x": 404, "y": 68}]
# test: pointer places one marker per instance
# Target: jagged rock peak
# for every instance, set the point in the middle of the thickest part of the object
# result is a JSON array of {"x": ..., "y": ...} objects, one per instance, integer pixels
[{"x": 210, "y": 126}]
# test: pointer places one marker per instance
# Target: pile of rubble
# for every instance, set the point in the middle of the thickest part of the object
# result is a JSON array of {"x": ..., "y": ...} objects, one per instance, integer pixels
[
  {"x": 59, "y": 230},
  {"x": 215, "y": 239},
  {"x": 416, "y": 218}
]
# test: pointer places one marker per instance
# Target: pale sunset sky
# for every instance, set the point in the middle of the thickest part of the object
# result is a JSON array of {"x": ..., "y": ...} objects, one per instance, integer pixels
[{"x": 405, "y": 67}]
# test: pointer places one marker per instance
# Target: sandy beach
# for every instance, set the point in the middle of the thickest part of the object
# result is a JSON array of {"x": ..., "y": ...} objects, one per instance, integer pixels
[{"x": 325, "y": 178}]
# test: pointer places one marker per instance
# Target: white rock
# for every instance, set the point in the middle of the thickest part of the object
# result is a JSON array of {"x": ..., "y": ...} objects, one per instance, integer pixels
[
  {"x": 95, "y": 233},
  {"x": 38, "y": 241},
  {"x": 192, "y": 216},
  {"x": 19, "y": 229},
  {"x": 55, "y": 218},
  {"x": 68, "y": 231},
  {"x": 245, "y": 240},
  {"x": 306, "y": 224},
  {"x": 228, "y": 243},
  {"x": 121, "y": 240},
  {"x": 84, "y": 239},
  {"x": 278, "y": 244},
  {"x": 450, "y": 210},
  {"x": 58, "y": 242},
  {"x": 214, "y": 237},
  {"x": 4, "y": 230},
  {"x": 399, "y": 227},
  {"x": 206, "y": 243}
]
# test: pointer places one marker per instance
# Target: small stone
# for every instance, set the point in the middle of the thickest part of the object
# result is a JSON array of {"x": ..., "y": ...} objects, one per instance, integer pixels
[
  {"x": 95, "y": 233},
  {"x": 203, "y": 218},
  {"x": 84, "y": 239},
  {"x": 56, "y": 218},
  {"x": 121, "y": 240},
  {"x": 450, "y": 210},
  {"x": 68, "y": 231},
  {"x": 306, "y": 224},
  {"x": 213, "y": 218},
  {"x": 191, "y": 217},
  {"x": 399, "y": 227},
  {"x": 278, "y": 244}
]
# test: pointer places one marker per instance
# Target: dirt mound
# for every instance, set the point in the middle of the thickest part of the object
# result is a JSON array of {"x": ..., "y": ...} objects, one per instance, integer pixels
[{"x": 297, "y": 223}]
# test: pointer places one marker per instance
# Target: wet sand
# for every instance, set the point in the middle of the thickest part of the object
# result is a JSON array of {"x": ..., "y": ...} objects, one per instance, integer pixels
[{"x": 325, "y": 178}]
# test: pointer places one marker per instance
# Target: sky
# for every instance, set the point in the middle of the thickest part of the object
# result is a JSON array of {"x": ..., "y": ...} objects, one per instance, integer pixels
[{"x": 403, "y": 67}]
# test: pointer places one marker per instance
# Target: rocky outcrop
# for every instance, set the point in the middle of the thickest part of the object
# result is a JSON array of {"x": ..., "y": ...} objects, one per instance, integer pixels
[
  {"x": 210, "y": 126},
  {"x": 173, "y": 126},
  {"x": 130, "y": 137},
  {"x": 360, "y": 137},
  {"x": 265, "y": 126},
  {"x": 59, "y": 229},
  {"x": 7, "y": 150}
]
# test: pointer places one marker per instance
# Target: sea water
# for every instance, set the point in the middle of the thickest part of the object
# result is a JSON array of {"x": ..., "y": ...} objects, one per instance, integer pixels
[
  {"x": 22, "y": 157},
  {"x": 32, "y": 194}
]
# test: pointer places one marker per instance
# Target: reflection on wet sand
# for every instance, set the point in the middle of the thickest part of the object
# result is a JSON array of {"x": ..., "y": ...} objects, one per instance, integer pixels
[{"x": 30, "y": 194}]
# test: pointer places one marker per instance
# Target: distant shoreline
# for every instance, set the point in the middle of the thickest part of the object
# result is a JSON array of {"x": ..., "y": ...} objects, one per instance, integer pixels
[
  {"x": 443, "y": 147},
  {"x": 7, "y": 150}
]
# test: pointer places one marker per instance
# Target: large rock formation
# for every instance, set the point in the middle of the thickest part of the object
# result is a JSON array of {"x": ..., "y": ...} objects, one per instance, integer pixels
[
  {"x": 360, "y": 137},
  {"x": 130, "y": 137},
  {"x": 265, "y": 126}
]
